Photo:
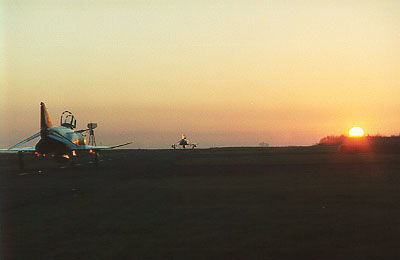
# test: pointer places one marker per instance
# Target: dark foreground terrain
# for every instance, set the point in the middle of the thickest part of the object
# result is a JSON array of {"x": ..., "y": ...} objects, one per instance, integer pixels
[{"x": 231, "y": 203}]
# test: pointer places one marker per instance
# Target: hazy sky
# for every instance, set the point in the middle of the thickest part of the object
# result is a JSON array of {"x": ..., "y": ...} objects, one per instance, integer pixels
[{"x": 222, "y": 72}]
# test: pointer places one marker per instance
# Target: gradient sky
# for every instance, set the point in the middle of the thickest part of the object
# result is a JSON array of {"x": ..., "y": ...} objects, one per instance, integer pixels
[{"x": 225, "y": 73}]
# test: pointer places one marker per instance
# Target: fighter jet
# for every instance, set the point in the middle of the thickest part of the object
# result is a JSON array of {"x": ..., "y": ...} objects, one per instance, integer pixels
[
  {"x": 62, "y": 142},
  {"x": 184, "y": 142}
]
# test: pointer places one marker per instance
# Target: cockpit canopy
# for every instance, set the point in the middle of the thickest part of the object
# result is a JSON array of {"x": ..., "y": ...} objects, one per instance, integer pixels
[{"x": 68, "y": 120}]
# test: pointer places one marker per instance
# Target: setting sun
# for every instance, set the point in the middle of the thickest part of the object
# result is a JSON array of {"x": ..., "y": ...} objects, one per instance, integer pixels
[{"x": 356, "y": 132}]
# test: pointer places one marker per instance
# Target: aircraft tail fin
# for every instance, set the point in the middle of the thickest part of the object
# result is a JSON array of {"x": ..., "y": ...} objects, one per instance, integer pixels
[{"x": 45, "y": 120}]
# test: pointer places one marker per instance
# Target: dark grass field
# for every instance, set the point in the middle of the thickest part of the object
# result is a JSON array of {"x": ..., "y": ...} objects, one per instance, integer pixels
[{"x": 230, "y": 203}]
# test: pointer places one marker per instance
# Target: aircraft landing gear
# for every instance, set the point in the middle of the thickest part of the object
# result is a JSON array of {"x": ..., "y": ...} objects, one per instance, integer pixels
[
  {"x": 20, "y": 161},
  {"x": 96, "y": 159},
  {"x": 72, "y": 158}
]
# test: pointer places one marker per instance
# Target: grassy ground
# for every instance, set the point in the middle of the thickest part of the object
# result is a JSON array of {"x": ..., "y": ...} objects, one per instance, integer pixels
[{"x": 230, "y": 203}]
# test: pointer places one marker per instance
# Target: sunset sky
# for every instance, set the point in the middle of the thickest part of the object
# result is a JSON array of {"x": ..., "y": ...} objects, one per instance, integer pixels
[{"x": 225, "y": 73}]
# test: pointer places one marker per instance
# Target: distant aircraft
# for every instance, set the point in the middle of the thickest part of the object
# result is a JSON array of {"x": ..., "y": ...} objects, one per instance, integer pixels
[
  {"x": 62, "y": 142},
  {"x": 184, "y": 142}
]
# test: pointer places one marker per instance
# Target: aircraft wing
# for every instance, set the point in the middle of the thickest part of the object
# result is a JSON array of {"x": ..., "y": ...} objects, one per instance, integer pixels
[
  {"x": 92, "y": 147},
  {"x": 72, "y": 146},
  {"x": 81, "y": 131},
  {"x": 25, "y": 141},
  {"x": 82, "y": 147},
  {"x": 23, "y": 149}
]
